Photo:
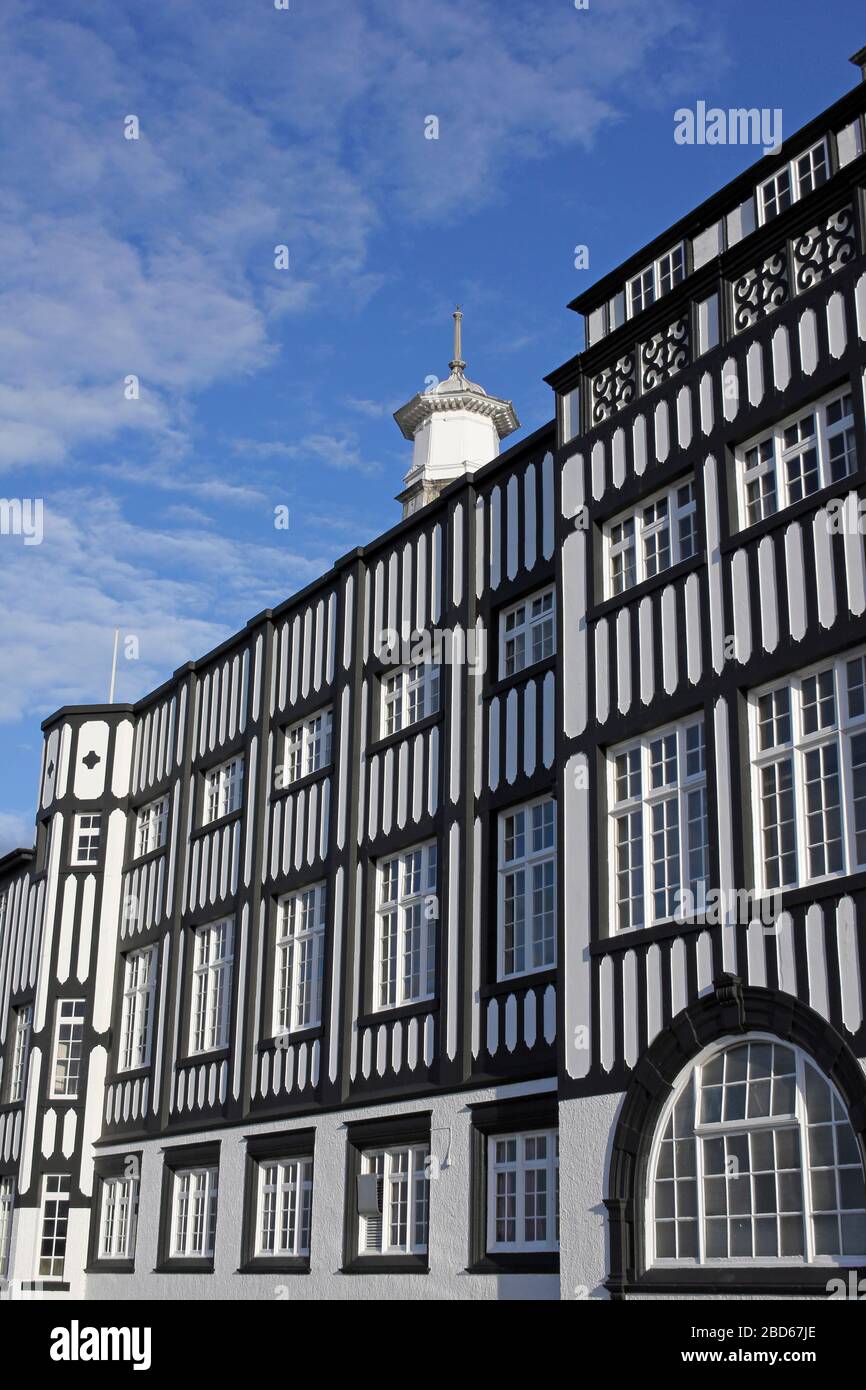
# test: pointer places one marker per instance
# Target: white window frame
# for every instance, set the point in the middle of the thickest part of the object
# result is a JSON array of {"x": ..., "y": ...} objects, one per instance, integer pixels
[
  {"x": 299, "y": 959},
  {"x": 56, "y": 1189},
  {"x": 796, "y": 178},
  {"x": 211, "y": 995},
  {"x": 632, "y": 531},
  {"x": 20, "y": 1052},
  {"x": 388, "y": 1164},
  {"x": 524, "y": 870},
  {"x": 846, "y": 727},
  {"x": 7, "y": 1213},
  {"x": 527, "y": 632},
  {"x": 118, "y": 1217},
  {"x": 405, "y": 948},
  {"x": 518, "y": 1193},
  {"x": 734, "y": 1128},
  {"x": 194, "y": 1198},
  {"x": 86, "y": 839},
  {"x": 774, "y": 455},
  {"x": 638, "y": 754},
  {"x": 656, "y": 279},
  {"x": 66, "y": 1071},
  {"x": 139, "y": 989},
  {"x": 224, "y": 789},
  {"x": 151, "y": 827},
  {"x": 284, "y": 1207},
  {"x": 408, "y": 695},
  {"x": 307, "y": 746}
]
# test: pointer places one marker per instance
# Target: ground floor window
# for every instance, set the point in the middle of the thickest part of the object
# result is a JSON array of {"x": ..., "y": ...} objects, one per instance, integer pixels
[
  {"x": 285, "y": 1204},
  {"x": 55, "y": 1223},
  {"x": 7, "y": 1208},
  {"x": 395, "y": 1215},
  {"x": 118, "y": 1218},
  {"x": 194, "y": 1213},
  {"x": 755, "y": 1161},
  {"x": 523, "y": 1191}
]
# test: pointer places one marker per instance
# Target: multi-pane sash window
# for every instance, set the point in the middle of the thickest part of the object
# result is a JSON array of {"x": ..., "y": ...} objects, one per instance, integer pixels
[
  {"x": 657, "y": 279},
  {"x": 801, "y": 455},
  {"x": 659, "y": 834},
  {"x": 22, "y": 1024},
  {"x": 409, "y": 695},
  {"x": 285, "y": 1204},
  {"x": 659, "y": 533},
  {"x": 7, "y": 1208},
  {"x": 809, "y": 761},
  {"x": 307, "y": 747},
  {"x": 223, "y": 789},
  {"x": 194, "y": 1213},
  {"x": 527, "y": 632},
  {"x": 211, "y": 986},
  {"x": 118, "y": 1218},
  {"x": 85, "y": 839},
  {"x": 139, "y": 983},
  {"x": 523, "y": 1191},
  {"x": 527, "y": 888},
  {"x": 756, "y": 1161},
  {"x": 406, "y": 917},
  {"x": 300, "y": 956},
  {"x": 55, "y": 1222},
  {"x": 151, "y": 826},
  {"x": 793, "y": 181},
  {"x": 403, "y": 1190},
  {"x": 68, "y": 1048}
]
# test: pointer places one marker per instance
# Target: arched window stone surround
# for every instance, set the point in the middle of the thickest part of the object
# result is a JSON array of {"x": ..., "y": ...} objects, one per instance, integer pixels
[{"x": 731, "y": 1008}]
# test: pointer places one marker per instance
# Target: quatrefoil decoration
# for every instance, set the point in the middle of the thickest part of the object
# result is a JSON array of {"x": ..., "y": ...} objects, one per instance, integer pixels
[{"x": 90, "y": 760}]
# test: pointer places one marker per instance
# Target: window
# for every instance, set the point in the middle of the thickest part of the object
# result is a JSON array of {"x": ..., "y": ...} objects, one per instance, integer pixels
[
  {"x": 657, "y": 279},
  {"x": 151, "y": 826},
  {"x": 406, "y": 916},
  {"x": 569, "y": 414},
  {"x": 396, "y": 1223},
  {"x": 86, "y": 837},
  {"x": 68, "y": 1047},
  {"x": 409, "y": 695},
  {"x": 211, "y": 986},
  {"x": 707, "y": 323},
  {"x": 55, "y": 1221},
  {"x": 649, "y": 539},
  {"x": 527, "y": 888},
  {"x": 300, "y": 955},
  {"x": 659, "y": 832},
  {"x": 22, "y": 1025},
  {"x": 755, "y": 1160},
  {"x": 307, "y": 747},
  {"x": 527, "y": 633},
  {"x": 804, "y": 453},
  {"x": 223, "y": 789},
  {"x": 194, "y": 1213},
  {"x": 7, "y": 1209},
  {"x": 793, "y": 181},
  {"x": 284, "y": 1207},
  {"x": 808, "y": 737},
  {"x": 139, "y": 983},
  {"x": 523, "y": 1191},
  {"x": 118, "y": 1217}
]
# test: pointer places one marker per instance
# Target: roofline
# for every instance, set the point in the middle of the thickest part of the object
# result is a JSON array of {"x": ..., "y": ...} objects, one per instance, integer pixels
[
  {"x": 721, "y": 201},
  {"x": 359, "y": 552},
  {"x": 14, "y": 859}
]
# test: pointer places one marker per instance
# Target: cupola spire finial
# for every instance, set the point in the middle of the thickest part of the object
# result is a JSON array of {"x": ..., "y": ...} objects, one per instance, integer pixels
[{"x": 457, "y": 364}]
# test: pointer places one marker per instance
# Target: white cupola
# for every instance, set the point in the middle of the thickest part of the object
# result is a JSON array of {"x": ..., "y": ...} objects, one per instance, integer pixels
[{"x": 455, "y": 428}]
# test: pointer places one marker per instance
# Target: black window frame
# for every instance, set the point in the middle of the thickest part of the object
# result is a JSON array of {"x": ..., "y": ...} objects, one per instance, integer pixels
[
  {"x": 295, "y": 1143},
  {"x": 489, "y": 1119},
  {"x": 374, "y": 1134},
  {"x": 175, "y": 1160},
  {"x": 111, "y": 1166}
]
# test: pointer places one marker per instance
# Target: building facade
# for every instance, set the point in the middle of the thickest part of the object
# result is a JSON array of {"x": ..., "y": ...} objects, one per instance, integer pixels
[{"x": 489, "y": 919}]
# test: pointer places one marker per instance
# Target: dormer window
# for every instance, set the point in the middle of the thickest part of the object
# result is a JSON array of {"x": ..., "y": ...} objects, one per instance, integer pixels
[{"x": 658, "y": 279}]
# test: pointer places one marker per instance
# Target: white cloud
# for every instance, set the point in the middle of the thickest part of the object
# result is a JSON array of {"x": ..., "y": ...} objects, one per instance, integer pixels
[{"x": 16, "y": 831}]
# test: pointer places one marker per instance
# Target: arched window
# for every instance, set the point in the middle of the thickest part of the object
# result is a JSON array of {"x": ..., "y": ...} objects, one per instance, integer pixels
[{"x": 755, "y": 1160}]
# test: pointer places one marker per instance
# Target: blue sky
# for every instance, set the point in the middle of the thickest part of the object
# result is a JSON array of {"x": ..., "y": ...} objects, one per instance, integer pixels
[{"x": 260, "y": 387}]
